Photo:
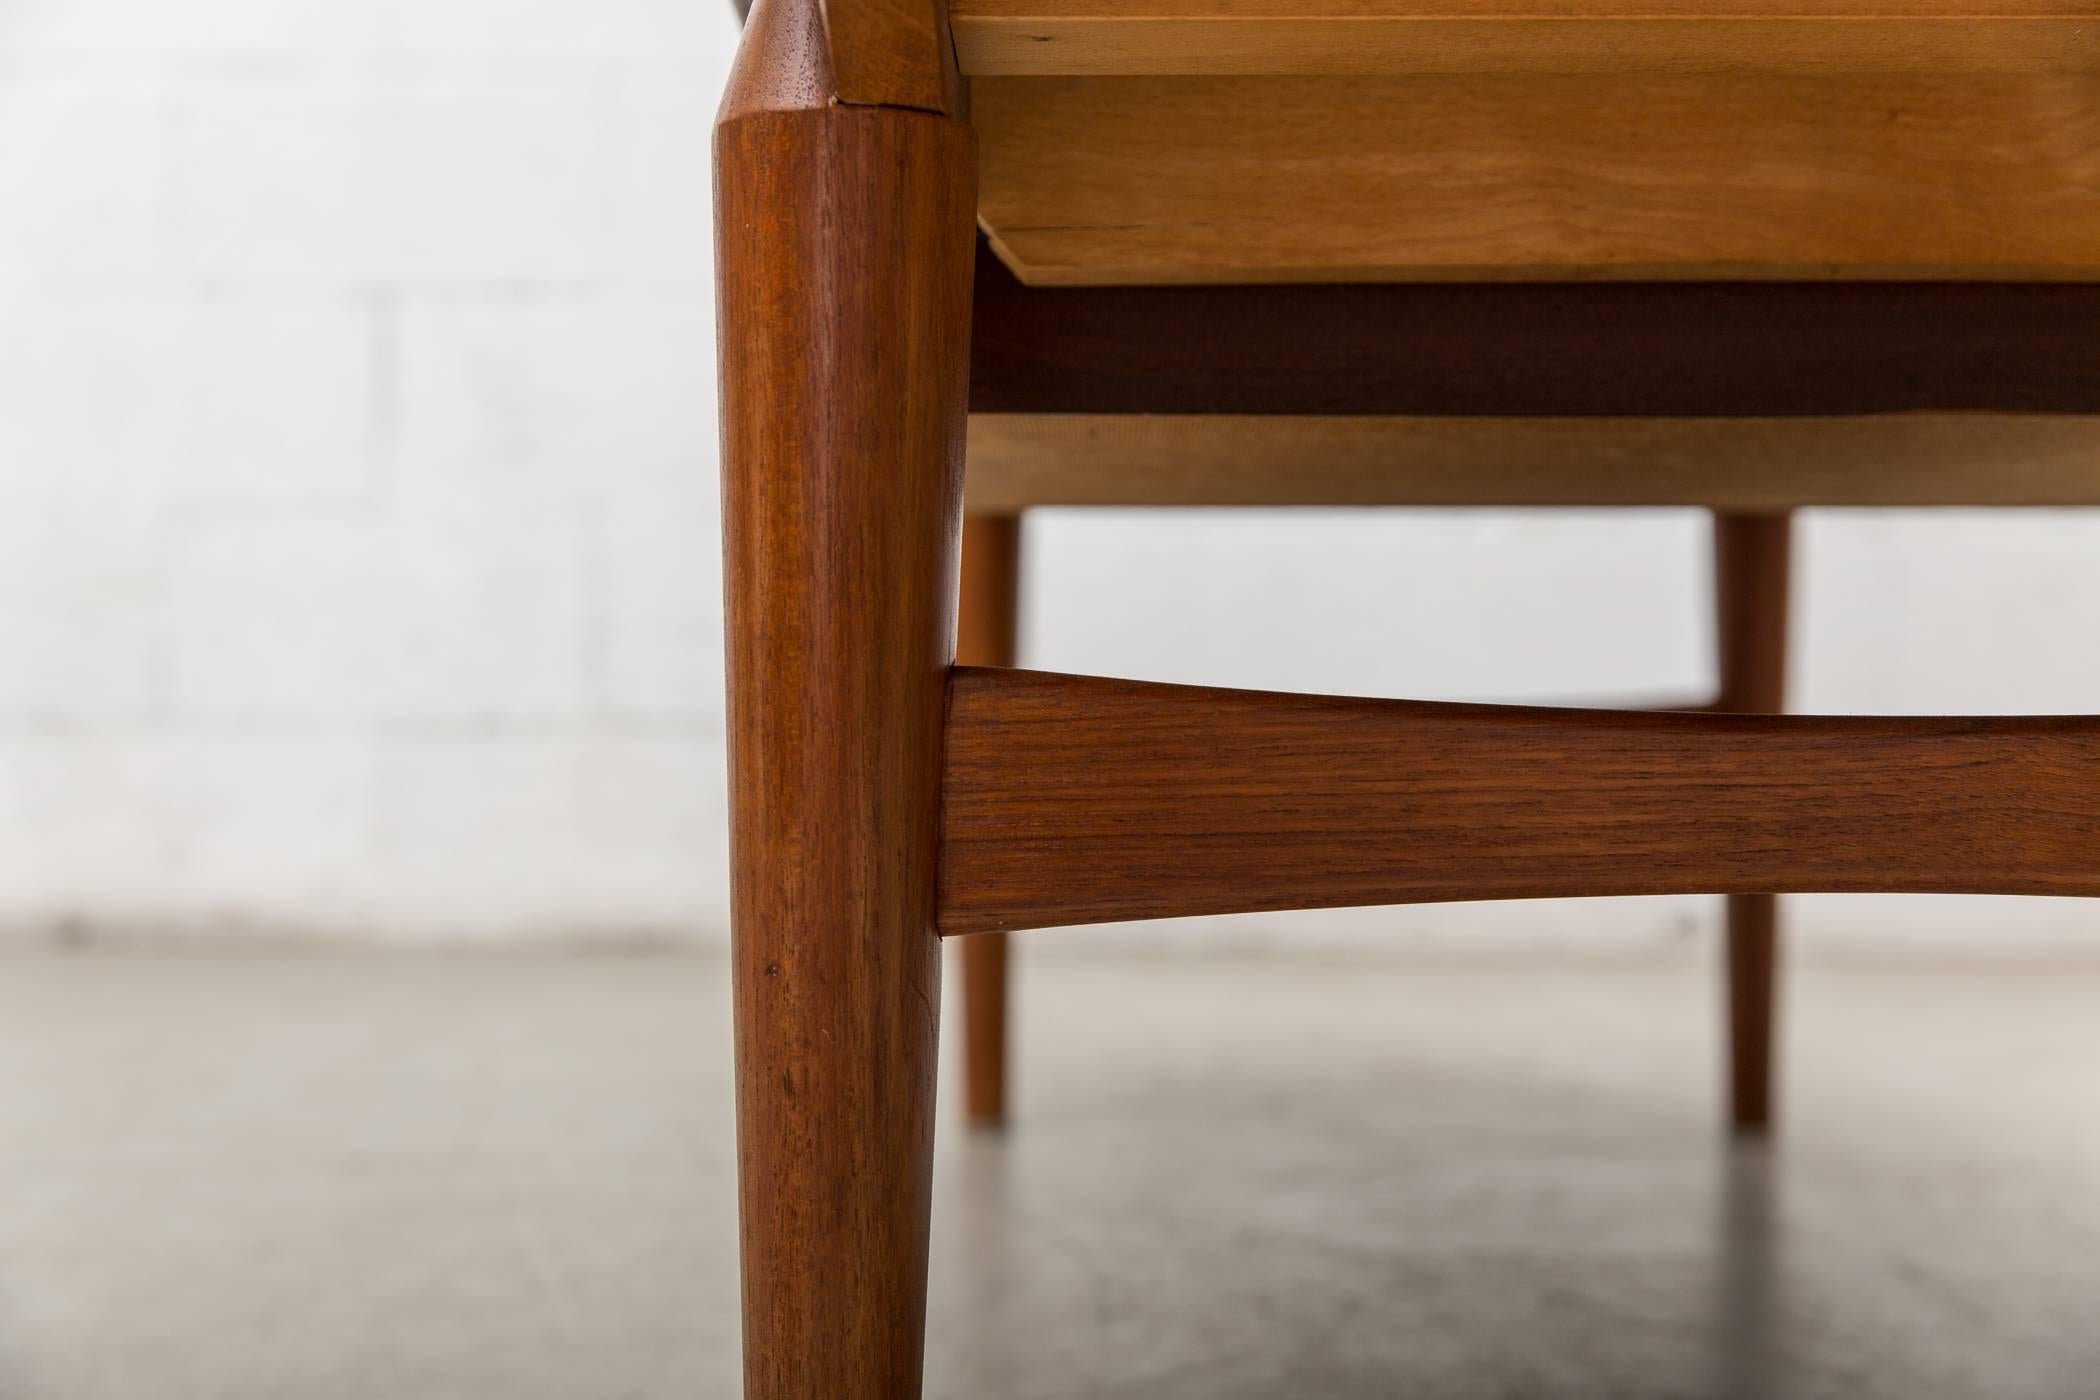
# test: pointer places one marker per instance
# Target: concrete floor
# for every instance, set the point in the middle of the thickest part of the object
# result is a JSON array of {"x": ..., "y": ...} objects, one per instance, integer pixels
[{"x": 302, "y": 1178}]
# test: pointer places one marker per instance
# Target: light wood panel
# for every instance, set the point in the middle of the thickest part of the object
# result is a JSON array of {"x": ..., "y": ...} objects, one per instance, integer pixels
[
  {"x": 1223, "y": 13},
  {"x": 1072, "y": 799},
  {"x": 1541, "y": 176},
  {"x": 1925, "y": 459},
  {"x": 1246, "y": 37}
]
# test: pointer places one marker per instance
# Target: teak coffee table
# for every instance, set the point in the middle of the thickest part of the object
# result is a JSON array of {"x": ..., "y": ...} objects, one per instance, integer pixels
[{"x": 1748, "y": 256}]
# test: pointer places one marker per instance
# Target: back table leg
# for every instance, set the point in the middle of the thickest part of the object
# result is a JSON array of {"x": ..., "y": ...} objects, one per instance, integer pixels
[
  {"x": 1751, "y": 564},
  {"x": 845, "y": 249}
]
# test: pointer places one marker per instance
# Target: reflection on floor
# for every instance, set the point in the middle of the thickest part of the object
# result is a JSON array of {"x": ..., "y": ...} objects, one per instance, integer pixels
[{"x": 304, "y": 1178}]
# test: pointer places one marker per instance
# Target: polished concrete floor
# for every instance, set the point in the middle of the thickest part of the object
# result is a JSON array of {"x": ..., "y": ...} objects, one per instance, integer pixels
[{"x": 225, "y": 1177}]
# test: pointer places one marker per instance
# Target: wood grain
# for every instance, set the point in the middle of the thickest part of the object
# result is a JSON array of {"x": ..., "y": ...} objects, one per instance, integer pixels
[
  {"x": 892, "y": 53},
  {"x": 1486, "y": 176},
  {"x": 1647, "y": 349},
  {"x": 1224, "y": 13},
  {"x": 1071, "y": 800},
  {"x": 995, "y": 38},
  {"x": 1753, "y": 464},
  {"x": 844, "y": 263},
  {"x": 987, "y": 635},
  {"x": 1753, "y": 564},
  {"x": 1753, "y": 561}
]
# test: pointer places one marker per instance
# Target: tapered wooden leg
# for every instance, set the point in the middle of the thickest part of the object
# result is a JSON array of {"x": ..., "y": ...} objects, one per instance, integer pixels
[
  {"x": 844, "y": 242},
  {"x": 1751, "y": 565},
  {"x": 991, "y": 598}
]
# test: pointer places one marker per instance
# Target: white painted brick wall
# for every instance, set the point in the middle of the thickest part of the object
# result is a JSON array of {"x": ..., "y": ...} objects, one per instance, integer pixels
[
  {"x": 525, "y": 397},
  {"x": 358, "y": 513},
  {"x": 85, "y": 166},
  {"x": 358, "y": 559},
  {"x": 78, "y": 586}
]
